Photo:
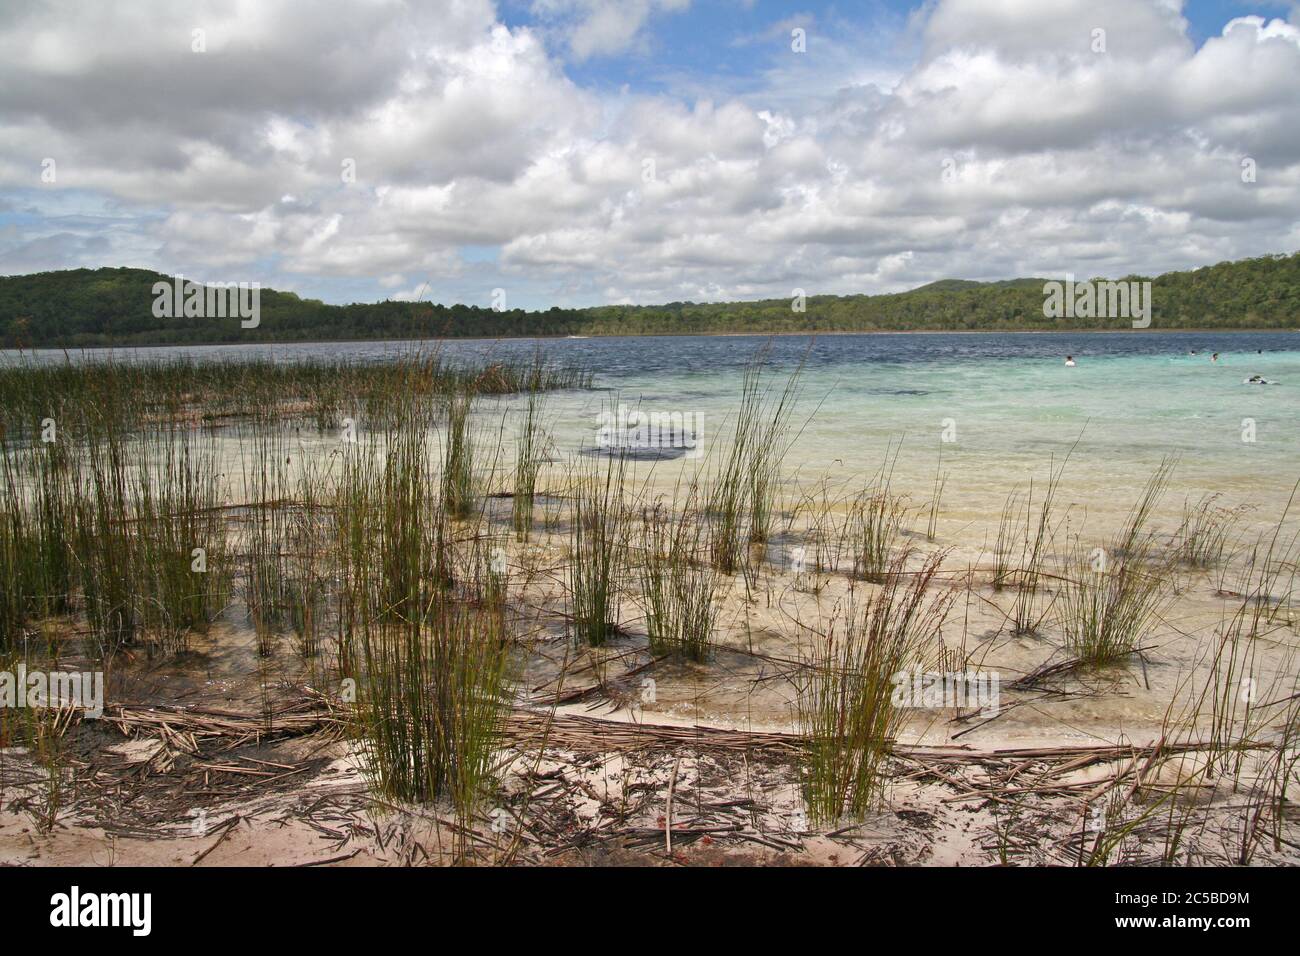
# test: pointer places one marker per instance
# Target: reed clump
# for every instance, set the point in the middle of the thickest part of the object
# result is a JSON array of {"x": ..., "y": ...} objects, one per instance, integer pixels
[
  {"x": 1036, "y": 537},
  {"x": 740, "y": 503},
  {"x": 1104, "y": 607},
  {"x": 36, "y": 527},
  {"x": 1239, "y": 709},
  {"x": 766, "y": 421},
  {"x": 458, "y": 487},
  {"x": 1137, "y": 533},
  {"x": 846, "y": 706},
  {"x": 267, "y": 488},
  {"x": 679, "y": 585},
  {"x": 827, "y": 517},
  {"x": 431, "y": 669},
  {"x": 1204, "y": 532},
  {"x": 181, "y": 535},
  {"x": 1108, "y": 599},
  {"x": 530, "y": 448},
  {"x": 598, "y": 544},
  {"x": 108, "y": 560},
  {"x": 875, "y": 523},
  {"x": 1004, "y": 546},
  {"x": 431, "y": 705},
  {"x": 312, "y": 565},
  {"x": 310, "y": 389},
  {"x": 130, "y": 526},
  {"x": 940, "y": 481}
]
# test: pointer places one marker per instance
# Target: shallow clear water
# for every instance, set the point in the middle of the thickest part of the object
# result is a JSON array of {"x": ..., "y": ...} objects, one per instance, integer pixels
[
  {"x": 1007, "y": 399},
  {"x": 1132, "y": 400}
]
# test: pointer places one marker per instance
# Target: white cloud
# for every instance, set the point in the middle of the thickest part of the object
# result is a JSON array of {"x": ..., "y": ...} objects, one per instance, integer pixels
[{"x": 829, "y": 175}]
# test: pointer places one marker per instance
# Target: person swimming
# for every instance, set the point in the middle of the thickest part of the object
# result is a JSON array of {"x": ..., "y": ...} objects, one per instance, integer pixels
[
  {"x": 1257, "y": 380},
  {"x": 1069, "y": 361},
  {"x": 1214, "y": 357}
]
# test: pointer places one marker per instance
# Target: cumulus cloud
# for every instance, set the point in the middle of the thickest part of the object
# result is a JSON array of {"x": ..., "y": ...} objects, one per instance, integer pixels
[{"x": 375, "y": 141}]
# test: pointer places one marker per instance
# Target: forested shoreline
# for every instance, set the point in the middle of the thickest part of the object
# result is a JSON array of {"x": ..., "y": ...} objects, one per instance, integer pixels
[{"x": 114, "y": 307}]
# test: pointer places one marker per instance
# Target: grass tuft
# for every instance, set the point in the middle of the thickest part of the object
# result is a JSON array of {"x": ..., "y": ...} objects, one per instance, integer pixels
[{"x": 846, "y": 706}]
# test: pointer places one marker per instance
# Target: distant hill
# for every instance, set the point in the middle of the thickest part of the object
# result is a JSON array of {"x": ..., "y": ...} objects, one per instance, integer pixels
[
  {"x": 949, "y": 285},
  {"x": 100, "y": 307}
]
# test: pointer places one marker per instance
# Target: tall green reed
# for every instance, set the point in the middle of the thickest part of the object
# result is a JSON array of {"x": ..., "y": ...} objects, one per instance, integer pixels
[
  {"x": 875, "y": 523},
  {"x": 181, "y": 534},
  {"x": 530, "y": 446},
  {"x": 458, "y": 486},
  {"x": 598, "y": 542},
  {"x": 846, "y": 706},
  {"x": 36, "y": 527},
  {"x": 679, "y": 585},
  {"x": 1036, "y": 539},
  {"x": 267, "y": 460},
  {"x": 1105, "y": 606},
  {"x": 432, "y": 704}
]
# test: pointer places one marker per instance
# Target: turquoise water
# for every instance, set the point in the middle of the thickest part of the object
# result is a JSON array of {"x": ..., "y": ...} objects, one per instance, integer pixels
[
  {"x": 1013, "y": 408},
  {"x": 1007, "y": 399}
]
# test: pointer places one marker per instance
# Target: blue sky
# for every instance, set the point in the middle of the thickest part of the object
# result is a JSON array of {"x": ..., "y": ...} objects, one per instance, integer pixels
[
  {"x": 731, "y": 42},
  {"x": 1207, "y": 17},
  {"x": 726, "y": 45}
]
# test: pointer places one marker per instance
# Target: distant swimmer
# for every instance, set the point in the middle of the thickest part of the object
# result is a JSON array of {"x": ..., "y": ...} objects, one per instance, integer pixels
[
  {"x": 1256, "y": 380},
  {"x": 1214, "y": 357},
  {"x": 1069, "y": 361}
]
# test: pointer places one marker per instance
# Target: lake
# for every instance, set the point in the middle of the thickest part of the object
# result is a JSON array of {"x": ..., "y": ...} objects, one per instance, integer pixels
[{"x": 1005, "y": 402}]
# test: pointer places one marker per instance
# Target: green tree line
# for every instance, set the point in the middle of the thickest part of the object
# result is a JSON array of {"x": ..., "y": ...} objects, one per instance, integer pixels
[{"x": 114, "y": 307}]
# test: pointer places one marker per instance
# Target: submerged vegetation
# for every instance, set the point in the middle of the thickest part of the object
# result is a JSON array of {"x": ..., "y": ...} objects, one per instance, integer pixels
[
  {"x": 151, "y": 499},
  {"x": 876, "y": 523},
  {"x": 323, "y": 392}
]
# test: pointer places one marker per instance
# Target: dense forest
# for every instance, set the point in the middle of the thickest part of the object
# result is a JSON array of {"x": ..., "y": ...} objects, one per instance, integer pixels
[{"x": 98, "y": 307}]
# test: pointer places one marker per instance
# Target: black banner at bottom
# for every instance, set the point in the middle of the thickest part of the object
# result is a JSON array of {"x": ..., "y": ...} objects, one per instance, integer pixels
[{"x": 336, "y": 906}]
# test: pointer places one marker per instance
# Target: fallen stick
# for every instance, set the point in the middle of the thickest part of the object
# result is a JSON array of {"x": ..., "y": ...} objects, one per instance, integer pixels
[
  {"x": 668, "y": 813},
  {"x": 229, "y": 826},
  {"x": 333, "y": 859}
]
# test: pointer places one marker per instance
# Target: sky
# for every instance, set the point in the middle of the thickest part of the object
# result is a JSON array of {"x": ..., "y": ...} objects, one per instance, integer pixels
[{"x": 539, "y": 153}]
